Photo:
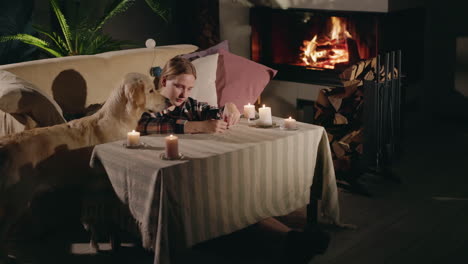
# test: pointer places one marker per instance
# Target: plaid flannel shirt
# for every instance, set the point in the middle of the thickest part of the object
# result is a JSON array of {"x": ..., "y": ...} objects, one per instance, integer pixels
[{"x": 168, "y": 121}]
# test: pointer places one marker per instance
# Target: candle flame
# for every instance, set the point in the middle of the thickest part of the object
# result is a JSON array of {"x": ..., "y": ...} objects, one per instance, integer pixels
[
  {"x": 249, "y": 103},
  {"x": 133, "y": 131},
  {"x": 290, "y": 118},
  {"x": 264, "y": 106},
  {"x": 171, "y": 135}
]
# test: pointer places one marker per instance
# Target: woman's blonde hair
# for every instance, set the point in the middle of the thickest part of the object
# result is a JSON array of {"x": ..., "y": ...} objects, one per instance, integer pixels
[{"x": 174, "y": 67}]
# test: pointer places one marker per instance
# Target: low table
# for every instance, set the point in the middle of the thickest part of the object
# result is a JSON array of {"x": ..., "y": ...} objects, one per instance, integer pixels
[{"x": 225, "y": 182}]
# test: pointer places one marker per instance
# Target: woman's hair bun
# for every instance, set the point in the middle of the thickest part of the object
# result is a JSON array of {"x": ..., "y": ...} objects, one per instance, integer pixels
[{"x": 156, "y": 71}]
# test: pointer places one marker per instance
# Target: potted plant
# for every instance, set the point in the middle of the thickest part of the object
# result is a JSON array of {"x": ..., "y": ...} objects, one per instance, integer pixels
[{"x": 84, "y": 37}]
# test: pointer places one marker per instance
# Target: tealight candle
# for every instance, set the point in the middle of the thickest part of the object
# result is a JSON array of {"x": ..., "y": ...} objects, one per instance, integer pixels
[
  {"x": 133, "y": 138},
  {"x": 249, "y": 111},
  {"x": 172, "y": 147},
  {"x": 264, "y": 116},
  {"x": 289, "y": 123}
]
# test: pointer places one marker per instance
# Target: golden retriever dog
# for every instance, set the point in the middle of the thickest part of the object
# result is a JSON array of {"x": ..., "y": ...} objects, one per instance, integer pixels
[{"x": 35, "y": 160}]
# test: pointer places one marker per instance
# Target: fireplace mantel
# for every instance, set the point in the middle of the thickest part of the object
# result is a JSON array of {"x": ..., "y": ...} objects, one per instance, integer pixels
[{"x": 336, "y": 5}]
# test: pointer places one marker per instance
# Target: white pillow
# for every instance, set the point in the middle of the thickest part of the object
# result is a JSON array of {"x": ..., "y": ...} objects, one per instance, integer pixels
[
  {"x": 205, "y": 84},
  {"x": 22, "y": 99}
]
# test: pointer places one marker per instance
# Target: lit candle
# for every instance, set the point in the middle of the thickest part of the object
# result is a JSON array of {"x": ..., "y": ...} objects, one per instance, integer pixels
[
  {"x": 249, "y": 111},
  {"x": 133, "y": 138},
  {"x": 289, "y": 123},
  {"x": 172, "y": 147},
  {"x": 264, "y": 116}
]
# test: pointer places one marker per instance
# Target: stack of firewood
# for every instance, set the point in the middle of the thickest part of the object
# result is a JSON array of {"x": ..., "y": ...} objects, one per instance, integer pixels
[{"x": 340, "y": 111}]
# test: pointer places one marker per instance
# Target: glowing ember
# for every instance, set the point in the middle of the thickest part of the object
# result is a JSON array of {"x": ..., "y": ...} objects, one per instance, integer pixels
[{"x": 326, "y": 51}]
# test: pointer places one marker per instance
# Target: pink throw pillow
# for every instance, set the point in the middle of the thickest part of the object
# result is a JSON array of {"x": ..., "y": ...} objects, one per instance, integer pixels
[{"x": 239, "y": 80}]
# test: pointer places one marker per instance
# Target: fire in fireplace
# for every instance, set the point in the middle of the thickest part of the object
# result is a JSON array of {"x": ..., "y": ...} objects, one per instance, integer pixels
[
  {"x": 326, "y": 50},
  {"x": 312, "y": 46}
]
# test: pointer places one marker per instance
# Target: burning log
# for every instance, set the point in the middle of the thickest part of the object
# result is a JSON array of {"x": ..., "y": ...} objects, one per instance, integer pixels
[{"x": 328, "y": 51}]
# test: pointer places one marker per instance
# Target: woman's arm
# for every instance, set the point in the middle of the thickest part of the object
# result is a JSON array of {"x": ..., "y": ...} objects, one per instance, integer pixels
[
  {"x": 150, "y": 124},
  {"x": 195, "y": 117},
  {"x": 207, "y": 126}
]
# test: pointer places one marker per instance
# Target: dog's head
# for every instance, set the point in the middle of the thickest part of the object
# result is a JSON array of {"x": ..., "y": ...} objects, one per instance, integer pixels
[
  {"x": 154, "y": 100},
  {"x": 141, "y": 94}
]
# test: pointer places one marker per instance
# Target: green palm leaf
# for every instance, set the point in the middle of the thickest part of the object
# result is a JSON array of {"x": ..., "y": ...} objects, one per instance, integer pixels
[
  {"x": 51, "y": 35},
  {"x": 28, "y": 39},
  {"x": 63, "y": 24},
  {"x": 83, "y": 36},
  {"x": 155, "y": 5},
  {"x": 62, "y": 46},
  {"x": 117, "y": 7}
]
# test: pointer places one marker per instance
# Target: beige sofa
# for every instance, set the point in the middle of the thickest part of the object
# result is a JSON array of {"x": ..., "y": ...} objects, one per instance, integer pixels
[
  {"x": 75, "y": 83},
  {"x": 78, "y": 82}
]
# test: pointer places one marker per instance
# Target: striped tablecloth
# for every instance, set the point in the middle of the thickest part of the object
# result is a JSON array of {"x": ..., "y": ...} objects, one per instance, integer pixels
[{"x": 226, "y": 182}]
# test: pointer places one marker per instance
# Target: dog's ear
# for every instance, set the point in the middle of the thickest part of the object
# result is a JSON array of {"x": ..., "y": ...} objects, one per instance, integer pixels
[{"x": 135, "y": 94}]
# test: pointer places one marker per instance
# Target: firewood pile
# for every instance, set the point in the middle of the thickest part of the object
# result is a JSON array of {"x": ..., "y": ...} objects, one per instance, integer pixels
[{"x": 340, "y": 111}]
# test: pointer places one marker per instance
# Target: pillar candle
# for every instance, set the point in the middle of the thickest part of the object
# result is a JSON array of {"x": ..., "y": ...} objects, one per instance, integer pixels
[
  {"x": 172, "y": 147},
  {"x": 133, "y": 138},
  {"x": 249, "y": 111},
  {"x": 289, "y": 123},
  {"x": 264, "y": 116}
]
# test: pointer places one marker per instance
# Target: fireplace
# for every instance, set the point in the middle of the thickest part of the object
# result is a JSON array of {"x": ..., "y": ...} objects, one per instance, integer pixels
[
  {"x": 315, "y": 50},
  {"x": 312, "y": 46},
  {"x": 316, "y": 46}
]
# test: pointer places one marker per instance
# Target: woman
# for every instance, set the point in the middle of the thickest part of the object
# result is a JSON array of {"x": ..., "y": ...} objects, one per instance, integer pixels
[{"x": 184, "y": 114}]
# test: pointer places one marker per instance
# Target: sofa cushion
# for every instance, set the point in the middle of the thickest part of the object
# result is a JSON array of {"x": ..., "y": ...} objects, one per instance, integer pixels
[
  {"x": 205, "y": 84},
  {"x": 224, "y": 45},
  {"x": 29, "y": 105},
  {"x": 194, "y": 56},
  {"x": 240, "y": 80}
]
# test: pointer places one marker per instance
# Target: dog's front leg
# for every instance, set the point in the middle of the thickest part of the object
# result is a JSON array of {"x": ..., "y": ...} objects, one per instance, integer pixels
[{"x": 15, "y": 201}]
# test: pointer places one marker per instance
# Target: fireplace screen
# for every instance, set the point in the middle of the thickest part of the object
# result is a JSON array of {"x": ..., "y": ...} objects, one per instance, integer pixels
[{"x": 313, "y": 40}]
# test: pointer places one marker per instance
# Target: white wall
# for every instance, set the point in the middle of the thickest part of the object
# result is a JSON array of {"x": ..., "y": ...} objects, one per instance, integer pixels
[
  {"x": 282, "y": 96},
  {"x": 234, "y": 25}
]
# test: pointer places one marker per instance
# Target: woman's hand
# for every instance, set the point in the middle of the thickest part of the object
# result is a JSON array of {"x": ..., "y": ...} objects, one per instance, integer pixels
[
  {"x": 231, "y": 114},
  {"x": 215, "y": 126}
]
